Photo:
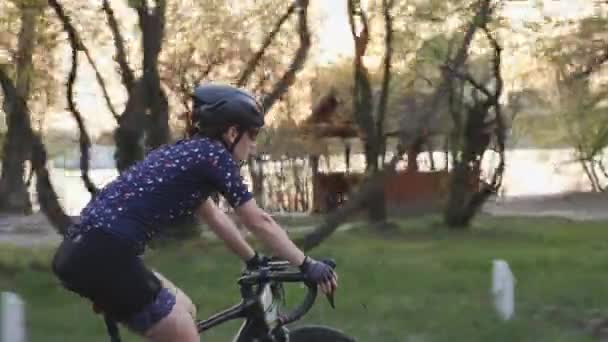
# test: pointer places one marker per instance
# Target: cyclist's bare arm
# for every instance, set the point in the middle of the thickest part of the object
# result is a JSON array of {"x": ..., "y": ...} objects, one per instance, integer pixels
[
  {"x": 225, "y": 229},
  {"x": 272, "y": 235}
]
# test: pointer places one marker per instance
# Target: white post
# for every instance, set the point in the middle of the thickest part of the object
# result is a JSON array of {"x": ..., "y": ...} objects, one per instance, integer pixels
[
  {"x": 12, "y": 318},
  {"x": 503, "y": 289}
]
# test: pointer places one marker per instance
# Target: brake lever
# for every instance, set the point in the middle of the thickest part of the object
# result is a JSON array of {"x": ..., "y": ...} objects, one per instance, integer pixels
[{"x": 330, "y": 298}]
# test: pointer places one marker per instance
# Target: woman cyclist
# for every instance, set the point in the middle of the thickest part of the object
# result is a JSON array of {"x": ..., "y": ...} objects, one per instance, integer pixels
[{"x": 100, "y": 257}]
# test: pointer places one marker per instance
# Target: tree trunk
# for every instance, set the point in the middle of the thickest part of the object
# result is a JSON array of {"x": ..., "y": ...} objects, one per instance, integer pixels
[
  {"x": 282, "y": 186},
  {"x": 144, "y": 122},
  {"x": 46, "y": 194},
  {"x": 595, "y": 186},
  {"x": 464, "y": 201},
  {"x": 306, "y": 199},
  {"x": 152, "y": 24},
  {"x": 456, "y": 210},
  {"x": 314, "y": 167},
  {"x": 299, "y": 197},
  {"x": 355, "y": 204},
  {"x": 431, "y": 160},
  {"x": 14, "y": 196},
  {"x": 377, "y": 208},
  {"x": 256, "y": 172},
  {"x": 363, "y": 104},
  {"x": 129, "y": 133},
  {"x": 412, "y": 160}
]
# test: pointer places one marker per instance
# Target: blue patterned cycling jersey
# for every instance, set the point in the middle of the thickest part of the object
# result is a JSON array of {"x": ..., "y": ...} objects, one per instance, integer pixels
[{"x": 164, "y": 189}]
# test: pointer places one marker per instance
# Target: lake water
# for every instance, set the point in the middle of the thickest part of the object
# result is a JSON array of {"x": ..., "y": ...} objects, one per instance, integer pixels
[{"x": 528, "y": 172}]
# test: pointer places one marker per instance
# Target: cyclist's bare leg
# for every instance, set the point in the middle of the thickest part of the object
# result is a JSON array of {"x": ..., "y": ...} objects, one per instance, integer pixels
[
  {"x": 177, "y": 326},
  {"x": 180, "y": 296}
]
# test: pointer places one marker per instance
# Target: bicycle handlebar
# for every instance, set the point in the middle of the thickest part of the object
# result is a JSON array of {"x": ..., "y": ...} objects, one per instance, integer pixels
[{"x": 274, "y": 271}]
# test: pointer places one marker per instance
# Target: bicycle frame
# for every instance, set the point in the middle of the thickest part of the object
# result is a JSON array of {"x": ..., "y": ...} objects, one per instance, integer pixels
[
  {"x": 261, "y": 293},
  {"x": 259, "y": 308}
]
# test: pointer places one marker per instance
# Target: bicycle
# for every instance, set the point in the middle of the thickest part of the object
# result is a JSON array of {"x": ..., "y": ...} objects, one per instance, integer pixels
[{"x": 262, "y": 294}]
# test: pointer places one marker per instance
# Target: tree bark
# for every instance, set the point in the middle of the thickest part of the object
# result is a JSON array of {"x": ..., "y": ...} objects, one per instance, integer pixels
[
  {"x": 363, "y": 102},
  {"x": 299, "y": 196},
  {"x": 252, "y": 64},
  {"x": 152, "y": 24},
  {"x": 129, "y": 133},
  {"x": 314, "y": 168},
  {"x": 355, "y": 204},
  {"x": 144, "y": 122},
  {"x": 14, "y": 195},
  {"x": 256, "y": 172},
  {"x": 47, "y": 197}
]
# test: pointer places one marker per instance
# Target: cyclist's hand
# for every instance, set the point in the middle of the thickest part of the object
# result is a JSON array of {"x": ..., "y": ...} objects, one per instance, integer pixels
[{"x": 320, "y": 273}]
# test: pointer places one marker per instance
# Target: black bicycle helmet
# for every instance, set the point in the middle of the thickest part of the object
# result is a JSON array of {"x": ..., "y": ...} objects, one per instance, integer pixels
[
  {"x": 221, "y": 106},
  {"x": 225, "y": 105}
]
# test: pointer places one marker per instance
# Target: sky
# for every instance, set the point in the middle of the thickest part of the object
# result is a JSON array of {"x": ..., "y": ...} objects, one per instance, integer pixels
[
  {"x": 338, "y": 41},
  {"x": 335, "y": 41}
]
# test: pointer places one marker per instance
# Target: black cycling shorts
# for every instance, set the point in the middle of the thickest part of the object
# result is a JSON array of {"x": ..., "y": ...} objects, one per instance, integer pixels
[{"x": 106, "y": 270}]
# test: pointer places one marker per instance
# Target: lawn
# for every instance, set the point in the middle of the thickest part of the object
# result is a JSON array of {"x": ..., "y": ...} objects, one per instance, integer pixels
[{"x": 422, "y": 283}]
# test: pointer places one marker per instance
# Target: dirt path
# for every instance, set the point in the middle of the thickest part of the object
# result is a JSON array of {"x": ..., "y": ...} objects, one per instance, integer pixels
[
  {"x": 35, "y": 230},
  {"x": 575, "y": 206}
]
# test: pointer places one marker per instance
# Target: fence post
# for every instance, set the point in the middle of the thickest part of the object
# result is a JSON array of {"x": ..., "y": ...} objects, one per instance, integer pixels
[{"x": 12, "y": 318}]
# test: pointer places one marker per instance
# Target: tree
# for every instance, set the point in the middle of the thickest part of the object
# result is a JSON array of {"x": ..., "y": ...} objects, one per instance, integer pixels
[
  {"x": 363, "y": 99},
  {"x": 427, "y": 114},
  {"x": 77, "y": 45},
  {"x": 14, "y": 196},
  {"x": 281, "y": 83},
  {"x": 144, "y": 123},
  {"x": 476, "y": 125},
  {"x": 577, "y": 58},
  {"x": 47, "y": 197}
]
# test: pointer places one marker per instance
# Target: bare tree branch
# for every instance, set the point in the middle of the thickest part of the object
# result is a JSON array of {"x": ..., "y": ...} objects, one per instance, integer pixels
[
  {"x": 500, "y": 128},
  {"x": 298, "y": 61},
  {"x": 253, "y": 62},
  {"x": 121, "y": 56},
  {"x": 432, "y": 105},
  {"x": 597, "y": 62},
  {"x": 85, "y": 140},
  {"x": 355, "y": 204},
  {"x": 469, "y": 78},
  {"x": 600, "y": 165},
  {"x": 80, "y": 46},
  {"x": 185, "y": 86},
  {"x": 461, "y": 207},
  {"x": 374, "y": 184},
  {"x": 362, "y": 38}
]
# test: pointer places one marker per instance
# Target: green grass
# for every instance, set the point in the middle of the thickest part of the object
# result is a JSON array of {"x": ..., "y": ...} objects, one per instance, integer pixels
[{"x": 422, "y": 283}]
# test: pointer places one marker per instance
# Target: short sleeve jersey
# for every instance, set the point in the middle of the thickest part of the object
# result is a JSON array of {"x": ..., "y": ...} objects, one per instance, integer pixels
[{"x": 164, "y": 189}]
